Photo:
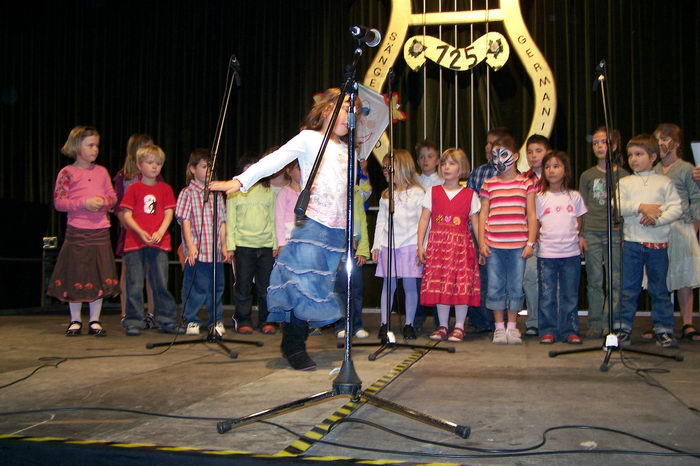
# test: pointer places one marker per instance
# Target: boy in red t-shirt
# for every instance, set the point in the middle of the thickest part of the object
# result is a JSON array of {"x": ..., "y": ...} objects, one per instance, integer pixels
[{"x": 148, "y": 207}]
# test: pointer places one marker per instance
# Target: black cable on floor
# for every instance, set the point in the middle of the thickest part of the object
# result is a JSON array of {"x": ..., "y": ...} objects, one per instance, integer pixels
[
  {"x": 483, "y": 452},
  {"x": 645, "y": 374}
]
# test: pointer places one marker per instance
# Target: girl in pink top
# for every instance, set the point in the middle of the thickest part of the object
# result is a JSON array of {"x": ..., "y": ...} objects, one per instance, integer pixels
[
  {"x": 85, "y": 270},
  {"x": 559, "y": 210},
  {"x": 284, "y": 205}
]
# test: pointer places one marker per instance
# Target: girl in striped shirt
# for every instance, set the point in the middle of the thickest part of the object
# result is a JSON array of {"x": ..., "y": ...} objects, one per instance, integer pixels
[{"x": 507, "y": 233}]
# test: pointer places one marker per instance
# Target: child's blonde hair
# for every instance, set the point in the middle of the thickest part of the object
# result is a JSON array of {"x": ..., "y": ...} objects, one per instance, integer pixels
[
  {"x": 196, "y": 156},
  {"x": 459, "y": 156},
  {"x": 404, "y": 171},
  {"x": 150, "y": 150},
  {"x": 137, "y": 140},
  {"x": 75, "y": 137}
]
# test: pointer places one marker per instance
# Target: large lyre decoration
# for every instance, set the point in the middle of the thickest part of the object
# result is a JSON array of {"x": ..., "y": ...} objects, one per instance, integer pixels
[{"x": 491, "y": 48}]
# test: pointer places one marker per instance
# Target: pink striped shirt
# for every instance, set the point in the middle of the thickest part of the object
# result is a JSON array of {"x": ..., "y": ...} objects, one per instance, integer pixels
[{"x": 506, "y": 224}]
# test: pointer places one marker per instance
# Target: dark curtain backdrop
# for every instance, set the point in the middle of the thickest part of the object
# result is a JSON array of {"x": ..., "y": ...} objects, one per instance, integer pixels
[{"x": 159, "y": 67}]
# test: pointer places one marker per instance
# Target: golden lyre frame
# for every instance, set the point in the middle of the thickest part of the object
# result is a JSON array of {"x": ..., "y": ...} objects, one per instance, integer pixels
[{"x": 508, "y": 12}]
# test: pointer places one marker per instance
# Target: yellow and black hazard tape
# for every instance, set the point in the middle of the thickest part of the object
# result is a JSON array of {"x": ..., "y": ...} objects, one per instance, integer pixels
[
  {"x": 306, "y": 441},
  {"x": 297, "y": 448}
]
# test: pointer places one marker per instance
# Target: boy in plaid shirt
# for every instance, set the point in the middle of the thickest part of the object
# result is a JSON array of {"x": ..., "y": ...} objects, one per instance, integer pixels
[{"x": 196, "y": 219}]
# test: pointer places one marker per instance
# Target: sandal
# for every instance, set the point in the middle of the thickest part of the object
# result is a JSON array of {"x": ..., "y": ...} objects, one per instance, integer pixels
[
  {"x": 457, "y": 334},
  {"x": 74, "y": 331},
  {"x": 95, "y": 328},
  {"x": 439, "y": 334},
  {"x": 692, "y": 335},
  {"x": 649, "y": 335}
]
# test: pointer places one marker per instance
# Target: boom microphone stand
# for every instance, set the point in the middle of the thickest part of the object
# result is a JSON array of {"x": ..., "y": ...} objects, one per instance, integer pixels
[
  {"x": 347, "y": 382},
  {"x": 611, "y": 342},
  {"x": 388, "y": 340},
  {"x": 213, "y": 335}
]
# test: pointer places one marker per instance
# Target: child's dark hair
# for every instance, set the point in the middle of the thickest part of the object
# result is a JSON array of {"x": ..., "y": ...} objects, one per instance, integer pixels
[
  {"x": 674, "y": 132},
  {"x": 323, "y": 107},
  {"x": 75, "y": 137},
  {"x": 614, "y": 136},
  {"x": 539, "y": 139},
  {"x": 508, "y": 142},
  {"x": 563, "y": 157},
  {"x": 196, "y": 156},
  {"x": 426, "y": 144},
  {"x": 646, "y": 142},
  {"x": 287, "y": 168},
  {"x": 500, "y": 131}
]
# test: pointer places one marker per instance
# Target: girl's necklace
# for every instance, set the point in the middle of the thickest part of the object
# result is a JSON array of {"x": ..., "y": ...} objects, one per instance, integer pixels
[{"x": 645, "y": 180}]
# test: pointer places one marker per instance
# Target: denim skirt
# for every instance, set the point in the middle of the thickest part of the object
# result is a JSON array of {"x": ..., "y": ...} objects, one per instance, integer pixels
[{"x": 303, "y": 277}]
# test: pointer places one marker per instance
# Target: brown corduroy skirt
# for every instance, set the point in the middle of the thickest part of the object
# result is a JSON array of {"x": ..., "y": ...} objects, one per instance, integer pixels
[{"x": 85, "y": 269}]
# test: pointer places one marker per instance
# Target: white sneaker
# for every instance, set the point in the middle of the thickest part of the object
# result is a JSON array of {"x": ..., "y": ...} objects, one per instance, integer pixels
[
  {"x": 192, "y": 329},
  {"x": 220, "y": 329},
  {"x": 500, "y": 337},
  {"x": 362, "y": 333},
  {"x": 513, "y": 336},
  {"x": 340, "y": 334}
]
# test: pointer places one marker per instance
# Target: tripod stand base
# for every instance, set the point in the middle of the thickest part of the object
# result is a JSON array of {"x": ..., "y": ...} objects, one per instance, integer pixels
[
  {"x": 461, "y": 431},
  {"x": 609, "y": 350},
  {"x": 212, "y": 337}
]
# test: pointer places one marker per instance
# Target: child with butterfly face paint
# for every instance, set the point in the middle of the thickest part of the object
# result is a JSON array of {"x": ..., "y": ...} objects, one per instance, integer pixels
[{"x": 507, "y": 234}]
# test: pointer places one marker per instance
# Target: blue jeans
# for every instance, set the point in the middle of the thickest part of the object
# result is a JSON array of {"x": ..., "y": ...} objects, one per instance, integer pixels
[
  {"x": 635, "y": 259},
  {"x": 251, "y": 263},
  {"x": 531, "y": 288},
  {"x": 558, "y": 312},
  {"x": 196, "y": 292},
  {"x": 505, "y": 290},
  {"x": 596, "y": 266},
  {"x": 136, "y": 263},
  {"x": 481, "y": 317},
  {"x": 357, "y": 291}
]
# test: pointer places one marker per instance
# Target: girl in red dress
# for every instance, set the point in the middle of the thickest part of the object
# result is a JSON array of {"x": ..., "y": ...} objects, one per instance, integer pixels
[{"x": 451, "y": 271}]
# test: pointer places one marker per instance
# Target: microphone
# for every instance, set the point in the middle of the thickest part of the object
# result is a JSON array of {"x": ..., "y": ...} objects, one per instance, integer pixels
[
  {"x": 369, "y": 37},
  {"x": 236, "y": 67},
  {"x": 600, "y": 71}
]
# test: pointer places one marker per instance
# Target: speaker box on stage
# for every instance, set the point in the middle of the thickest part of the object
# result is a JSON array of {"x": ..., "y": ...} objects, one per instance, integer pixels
[{"x": 21, "y": 251}]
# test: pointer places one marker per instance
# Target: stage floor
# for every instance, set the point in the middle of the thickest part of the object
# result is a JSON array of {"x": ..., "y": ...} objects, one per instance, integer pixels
[{"x": 507, "y": 395}]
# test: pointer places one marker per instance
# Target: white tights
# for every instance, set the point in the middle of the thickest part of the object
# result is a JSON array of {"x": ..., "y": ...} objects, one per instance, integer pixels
[
  {"x": 410, "y": 288},
  {"x": 460, "y": 315}
]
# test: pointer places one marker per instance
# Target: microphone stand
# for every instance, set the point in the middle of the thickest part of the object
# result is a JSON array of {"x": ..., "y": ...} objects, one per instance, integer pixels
[
  {"x": 611, "y": 342},
  {"x": 347, "y": 383},
  {"x": 213, "y": 335},
  {"x": 388, "y": 340}
]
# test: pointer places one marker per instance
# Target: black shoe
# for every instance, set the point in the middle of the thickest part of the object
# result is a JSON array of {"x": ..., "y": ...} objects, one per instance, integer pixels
[
  {"x": 531, "y": 332},
  {"x": 382, "y": 332},
  {"x": 171, "y": 328},
  {"x": 301, "y": 361},
  {"x": 98, "y": 331},
  {"x": 623, "y": 338},
  {"x": 408, "y": 332},
  {"x": 666, "y": 340},
  {"x": 76, "y": 331}
]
